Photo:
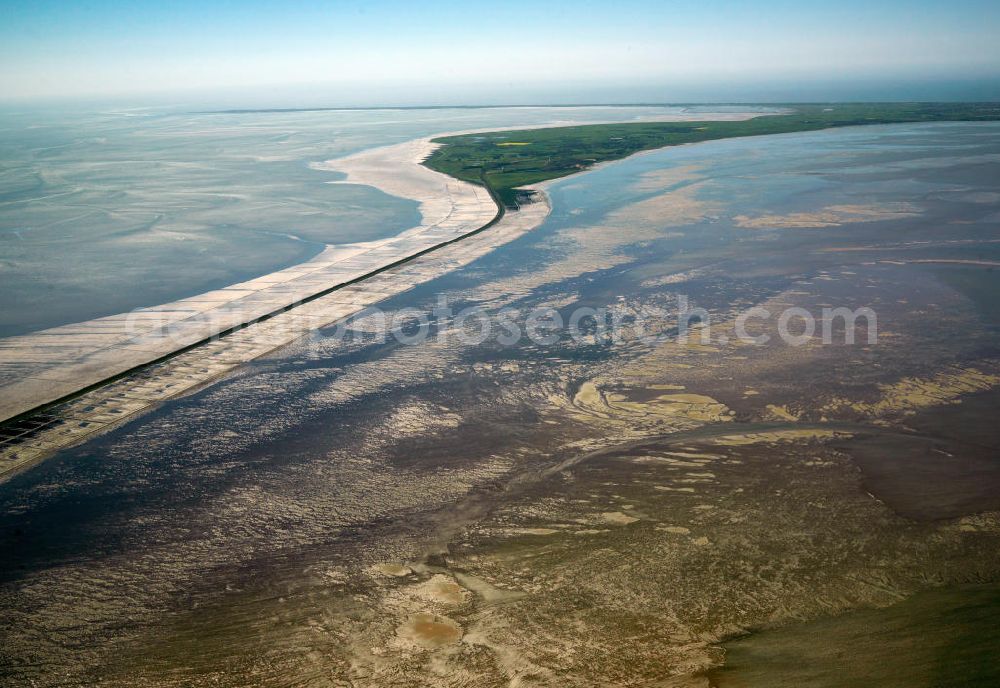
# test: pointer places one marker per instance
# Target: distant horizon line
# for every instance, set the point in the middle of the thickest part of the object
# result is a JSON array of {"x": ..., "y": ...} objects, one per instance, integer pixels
[{"x": 249, "y": 110}]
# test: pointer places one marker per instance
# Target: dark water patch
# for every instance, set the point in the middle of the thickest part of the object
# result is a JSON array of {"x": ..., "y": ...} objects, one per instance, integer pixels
[
  {"x": 951, "y": 469},
  {"x": 944, "y": 638},
  {"x": 980, "y": 284}
]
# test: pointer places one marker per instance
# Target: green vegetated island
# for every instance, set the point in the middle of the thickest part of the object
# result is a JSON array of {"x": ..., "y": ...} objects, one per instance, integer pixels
[{"x": 505, "y": 160}]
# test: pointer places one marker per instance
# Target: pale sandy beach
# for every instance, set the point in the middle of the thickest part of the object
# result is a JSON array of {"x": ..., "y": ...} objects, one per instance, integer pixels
[{"x": 398, "y": 170}]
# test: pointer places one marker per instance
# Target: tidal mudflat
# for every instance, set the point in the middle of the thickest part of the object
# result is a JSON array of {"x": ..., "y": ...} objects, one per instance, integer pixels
[{"x": 584, "y": 512}]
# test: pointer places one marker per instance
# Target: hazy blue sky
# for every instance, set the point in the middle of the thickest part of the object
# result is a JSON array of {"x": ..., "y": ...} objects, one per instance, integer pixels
[{"x": 466, "y": 52}]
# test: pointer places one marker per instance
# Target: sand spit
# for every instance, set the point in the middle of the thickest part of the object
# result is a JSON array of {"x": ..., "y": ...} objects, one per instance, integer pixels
[{"x": 398, "y": 170}]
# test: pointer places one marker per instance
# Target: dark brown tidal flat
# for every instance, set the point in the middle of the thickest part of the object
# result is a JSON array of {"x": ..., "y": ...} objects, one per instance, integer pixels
[
  {"x": 941, "y": 638},
  {"x": 947, "y": 468}
]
